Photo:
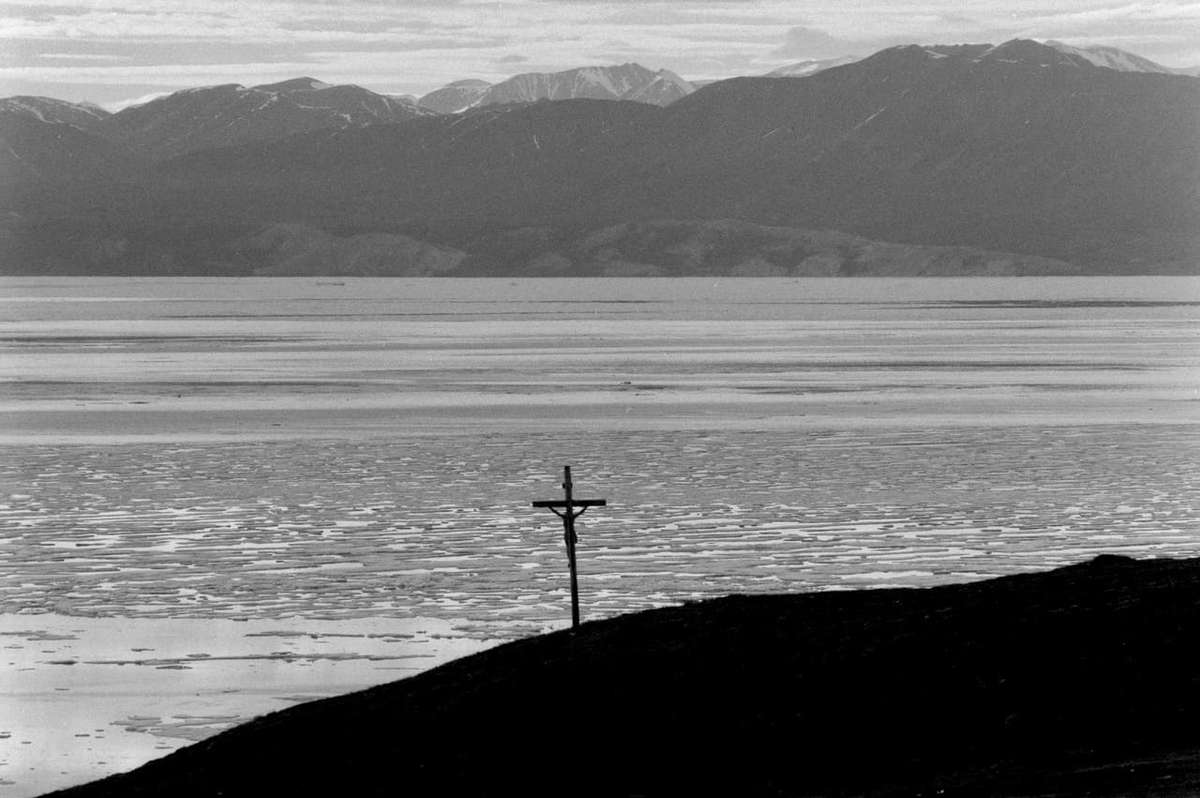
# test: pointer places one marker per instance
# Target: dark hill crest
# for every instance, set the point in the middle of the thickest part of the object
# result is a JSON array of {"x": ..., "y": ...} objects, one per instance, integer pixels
[{"x": 1077, "y": 681}]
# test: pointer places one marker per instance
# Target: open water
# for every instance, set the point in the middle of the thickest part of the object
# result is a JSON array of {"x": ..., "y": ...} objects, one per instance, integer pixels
[{"x": 220, "y": 496}]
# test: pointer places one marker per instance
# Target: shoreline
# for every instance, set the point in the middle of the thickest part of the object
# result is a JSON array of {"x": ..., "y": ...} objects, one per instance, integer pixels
[{"x": 90, "y": 696}]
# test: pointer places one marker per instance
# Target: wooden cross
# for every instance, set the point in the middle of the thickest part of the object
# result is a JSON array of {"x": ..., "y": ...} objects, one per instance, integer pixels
[{"x": 572, "y": 508}]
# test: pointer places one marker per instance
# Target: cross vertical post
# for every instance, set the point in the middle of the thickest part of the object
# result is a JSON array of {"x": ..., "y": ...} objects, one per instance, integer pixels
[
  {"x": 571, "y": 539},
  {"x": 572, "y": 508}
]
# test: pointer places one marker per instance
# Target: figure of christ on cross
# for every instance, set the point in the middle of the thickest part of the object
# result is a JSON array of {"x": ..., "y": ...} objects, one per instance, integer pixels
[{"x": 571, "y": 508}]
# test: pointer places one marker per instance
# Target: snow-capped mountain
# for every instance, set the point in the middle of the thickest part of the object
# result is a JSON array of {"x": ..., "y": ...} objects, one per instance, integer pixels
[
  {"x": 47, "y": 109},
  {"x": 455, "y": 97},
  {"x": 217, "y": 116},
  {"x": 1112, "y": 58},
  {"x": 1025, "y": 52},
  {"x": 625, "y": 82},
  {"x": 1015, "y": 51},
  {"x": 802, "y": 69},
  {"x": 664, "y": 89}
]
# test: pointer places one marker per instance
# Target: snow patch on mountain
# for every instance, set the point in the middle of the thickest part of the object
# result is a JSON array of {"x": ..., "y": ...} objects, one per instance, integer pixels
[
  {"x": 666, "y": 88},
  {"x": 83, "y": 116},
  {"x": 1027, "y": 51},
  {"x": 133, "y": 102},
  {"x": 803, "y": 69},
  {"x": 624, "y": 82},
  {"x": 455, "y": 97},
  {"x": 295, "y": 84},
  {"x": 1112, "y": 58}
]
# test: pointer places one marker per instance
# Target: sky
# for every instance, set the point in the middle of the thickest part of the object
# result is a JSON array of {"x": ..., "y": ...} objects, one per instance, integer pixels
[{"x": 113, "y": 52}]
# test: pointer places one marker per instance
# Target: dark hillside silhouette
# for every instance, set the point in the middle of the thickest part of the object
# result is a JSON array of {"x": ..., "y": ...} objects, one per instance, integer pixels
[{"x": 1079, "y": 681}]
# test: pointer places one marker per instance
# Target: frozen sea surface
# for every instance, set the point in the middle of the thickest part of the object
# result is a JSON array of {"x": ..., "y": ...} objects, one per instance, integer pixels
[{"x": 220, "y": 496}]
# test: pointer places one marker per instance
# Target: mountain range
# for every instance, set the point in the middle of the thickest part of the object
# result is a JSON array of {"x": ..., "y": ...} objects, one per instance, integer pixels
[{"x": 1021, "y": 158}]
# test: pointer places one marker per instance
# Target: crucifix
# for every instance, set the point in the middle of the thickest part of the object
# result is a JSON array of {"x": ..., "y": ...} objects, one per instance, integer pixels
[{"x": 571, "y": 508}]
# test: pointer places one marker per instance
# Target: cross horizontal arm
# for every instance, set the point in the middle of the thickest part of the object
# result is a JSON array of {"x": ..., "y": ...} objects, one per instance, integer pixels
[{"x": 572, "y": 503}]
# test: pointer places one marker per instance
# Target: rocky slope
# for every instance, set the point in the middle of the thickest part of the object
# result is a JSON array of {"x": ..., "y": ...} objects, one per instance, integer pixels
[
  {"x": 1079, "y": 681},
  {"x": 45, "y": 152}
]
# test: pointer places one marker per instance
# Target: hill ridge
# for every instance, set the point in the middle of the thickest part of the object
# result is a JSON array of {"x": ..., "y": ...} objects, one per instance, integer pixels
[{"x": 1073, "y": 681}]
